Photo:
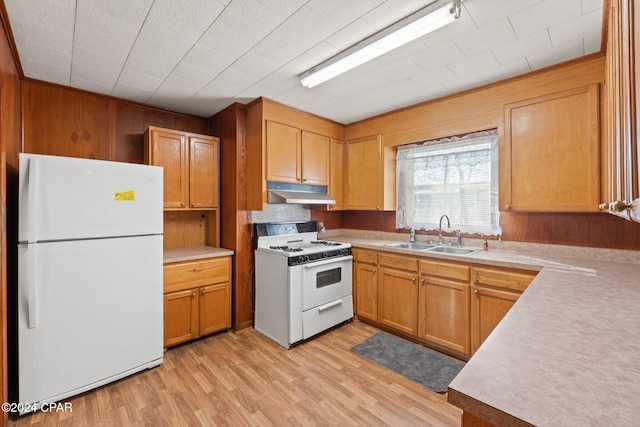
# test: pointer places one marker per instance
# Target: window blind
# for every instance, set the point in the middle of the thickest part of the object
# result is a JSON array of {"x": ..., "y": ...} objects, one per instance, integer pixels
[{"x": 455, "y": 176}]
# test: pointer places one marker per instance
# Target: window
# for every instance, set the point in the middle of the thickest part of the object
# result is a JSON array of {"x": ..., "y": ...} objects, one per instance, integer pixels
[{"x": 455, "y": 176}]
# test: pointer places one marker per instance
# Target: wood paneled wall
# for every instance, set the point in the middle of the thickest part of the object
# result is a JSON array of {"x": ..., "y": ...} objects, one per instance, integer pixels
[
  {"x": 68, "y": 122},
  {"x": 598, "y": 230},
  {"x": 235, "y": 220},
  {"x": 10, "y": 144}
]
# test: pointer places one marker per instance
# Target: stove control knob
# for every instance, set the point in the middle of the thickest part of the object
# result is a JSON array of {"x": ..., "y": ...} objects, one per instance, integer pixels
[
  {"x": 344, "y": 251},
  {"x": 325, "y": 255}
]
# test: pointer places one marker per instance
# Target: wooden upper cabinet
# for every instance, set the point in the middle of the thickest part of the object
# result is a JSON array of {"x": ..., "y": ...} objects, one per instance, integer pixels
[
  {"x": 364, "y": 174},
  {"x": 296, "y": 156},
  {"x": 283, "y": 152},
  {"x": 191, "y": 167},
  {"x": 620, "y": 175},
  {"x": 169, "y": 149},
  {"x": 314, "y": 158},
  {"x": 204, "y": 171},
  {"x": 549, "y": 159},
  {"x": 337, "y": 171},
  {"x": 287, "y": 145}
]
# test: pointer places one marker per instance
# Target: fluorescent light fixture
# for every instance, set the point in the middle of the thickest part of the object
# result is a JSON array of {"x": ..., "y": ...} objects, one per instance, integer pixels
[{"x": 408, "y": 29}]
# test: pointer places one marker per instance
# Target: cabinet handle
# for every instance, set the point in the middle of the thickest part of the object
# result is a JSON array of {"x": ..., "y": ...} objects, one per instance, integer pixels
[
  {"x": 197, "y": 269},
  {"x": 193, "y": 294},
  {"x": 202, "y": 291},
  {"x": 475, "y": 291},
  {"x": 413, "y": 280},
  {"x": 374, "y": 270},
  {"x": 193, "y": 204},
  {"x": 182, "y": 204},
  {"x": 507, "y": 207},
  {"x": 477, "y": 279},
  {"x": 619, "y": 206}
]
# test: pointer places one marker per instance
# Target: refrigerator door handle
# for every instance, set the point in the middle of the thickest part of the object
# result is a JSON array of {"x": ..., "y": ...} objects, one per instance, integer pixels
[
  {"x": 31, "y": 279},
  {"x": 33, "y": 197}
]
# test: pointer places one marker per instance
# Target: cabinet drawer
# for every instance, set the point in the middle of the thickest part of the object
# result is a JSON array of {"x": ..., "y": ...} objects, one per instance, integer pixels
[
  {"x": 514, "y": 280},
  {"x": 398, "y": 262},
  {"x": 365, "y": 256},
  {"x": 191, "y": 274},
  {"x": 446, "y": 270}
]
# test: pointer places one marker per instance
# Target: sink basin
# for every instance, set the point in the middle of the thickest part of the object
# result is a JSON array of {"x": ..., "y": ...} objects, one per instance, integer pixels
[
  {"x": 407, "y": 245},
  {"x": 453, "y": 250}
]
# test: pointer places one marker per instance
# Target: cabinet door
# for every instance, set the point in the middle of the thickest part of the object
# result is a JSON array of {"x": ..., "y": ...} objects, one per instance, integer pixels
[
  {"x": 621, "y": 178},
  {"x": 397, "y": 300},
  {"x": 283, "y": 153},
  {"x": 215, "y": 308},
  {"x": 366, "y": 291},
  {"x": 558, "y": 134},
  {"x": 364, "y": 174},
  {"x": 180, "y": 317},
  {"x": 169, "y": 150},
  {"x": 204, "y": 172},
  {"x": 444, "y": 314},
  {"x": 336, "y": 174},
  {"x": 314, "y": 156},
  {"x": 488, "y": 307}
]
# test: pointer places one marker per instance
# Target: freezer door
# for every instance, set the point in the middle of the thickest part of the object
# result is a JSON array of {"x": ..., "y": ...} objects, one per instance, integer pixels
[
  {"x": 63, "y": 198},
  {"x": 92, "y": 314}
]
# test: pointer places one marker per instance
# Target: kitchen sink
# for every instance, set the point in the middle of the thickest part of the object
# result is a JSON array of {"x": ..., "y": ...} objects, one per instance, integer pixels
[
  {"x": 407, "y": 245},
  {"x": 453, "y": 250}
]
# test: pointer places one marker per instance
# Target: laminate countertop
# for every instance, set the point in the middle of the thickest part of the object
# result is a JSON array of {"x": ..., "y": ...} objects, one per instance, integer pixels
[
  {"x": 193, "y": 253},
  {"x": 568, "y": 352}
]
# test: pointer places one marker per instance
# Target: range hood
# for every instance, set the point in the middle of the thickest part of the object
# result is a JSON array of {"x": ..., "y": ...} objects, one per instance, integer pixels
[{"x": 302, "y": 194}]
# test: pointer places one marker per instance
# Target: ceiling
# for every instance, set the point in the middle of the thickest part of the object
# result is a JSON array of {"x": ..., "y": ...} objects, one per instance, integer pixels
[{"x": 199, "y": 56}]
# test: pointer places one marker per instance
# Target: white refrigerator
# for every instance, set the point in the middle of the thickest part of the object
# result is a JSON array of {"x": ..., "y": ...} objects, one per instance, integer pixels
[{"x": 90, "y": 305}]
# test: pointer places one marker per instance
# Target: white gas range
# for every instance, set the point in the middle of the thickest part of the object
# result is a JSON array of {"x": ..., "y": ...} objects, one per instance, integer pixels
[{"x": 303, "y": 285}]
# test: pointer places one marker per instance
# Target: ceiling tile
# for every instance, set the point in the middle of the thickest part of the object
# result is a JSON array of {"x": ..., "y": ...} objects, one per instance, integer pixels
[
  {"x": 544, "y": 15},
  {"x": 485, "y": 12},
  {"x": 556, "y": 55},
  {"x": 474, "y": 65},
  {"x": 580, "y": 27},
  {"x": 504, "y": 71},
  {"x": 523, "y": 47},
  {"x": 486, "y": 38},
  {"x": 435, "y": 77},
  {"x": 458, "y": 28},
  {"x": 438, "y": 56},
  {"x": 468, "y": 82}
]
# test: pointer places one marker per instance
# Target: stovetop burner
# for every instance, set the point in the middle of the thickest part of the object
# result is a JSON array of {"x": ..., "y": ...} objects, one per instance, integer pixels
[
  {"x": 324, "y": 242},
  {"x": 286, "y": 248}
]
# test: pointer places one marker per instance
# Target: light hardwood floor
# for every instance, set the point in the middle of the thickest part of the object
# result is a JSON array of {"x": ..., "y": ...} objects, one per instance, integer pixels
[{"x": 244, "y": 379}]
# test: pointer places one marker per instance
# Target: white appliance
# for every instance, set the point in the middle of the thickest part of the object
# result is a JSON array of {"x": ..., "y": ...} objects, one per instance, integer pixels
[
  {"x": 303, "y": 285},
  {"x": 90, "y": 307}
]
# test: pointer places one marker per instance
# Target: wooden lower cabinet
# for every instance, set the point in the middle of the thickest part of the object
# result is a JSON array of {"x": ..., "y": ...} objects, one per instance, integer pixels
[
  {"x": 494, "y": 292},
  {"x": 398, "y": 293},
  {"x": 197, "y": 299},
  {"x": 444, "y": 305},
  {"x": 366, "y": 284},
  {"x": 180, "y": 317},
  {"x": 450, "y": 305}
]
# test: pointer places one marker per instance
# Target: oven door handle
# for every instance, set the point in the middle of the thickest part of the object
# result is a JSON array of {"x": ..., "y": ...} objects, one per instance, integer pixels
[{"x": 327, "y": 261}]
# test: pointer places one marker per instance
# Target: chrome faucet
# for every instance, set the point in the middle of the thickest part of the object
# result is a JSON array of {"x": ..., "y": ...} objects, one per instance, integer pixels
[
  {"x": 440, "y": 229},
  {"x": 412, "y": 236}
]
